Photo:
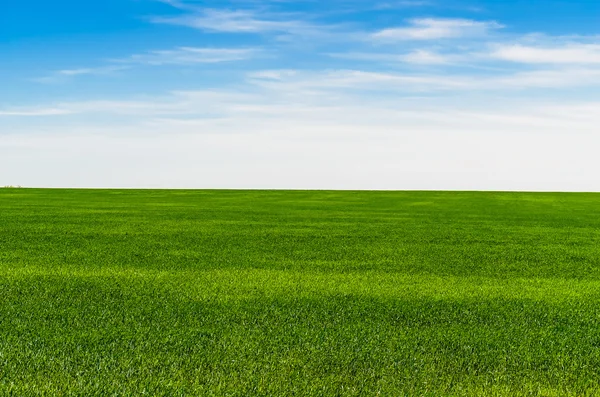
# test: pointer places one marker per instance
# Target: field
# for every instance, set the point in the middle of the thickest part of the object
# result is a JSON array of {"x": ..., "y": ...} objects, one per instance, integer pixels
[{"x": 274, "y": 293}]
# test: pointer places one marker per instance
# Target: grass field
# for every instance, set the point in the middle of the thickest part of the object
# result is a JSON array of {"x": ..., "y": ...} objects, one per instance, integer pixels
[{"x": 259, "y": 293}]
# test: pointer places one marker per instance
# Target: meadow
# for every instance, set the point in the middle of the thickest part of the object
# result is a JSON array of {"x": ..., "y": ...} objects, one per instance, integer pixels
[{"x": 298, "y": 293}]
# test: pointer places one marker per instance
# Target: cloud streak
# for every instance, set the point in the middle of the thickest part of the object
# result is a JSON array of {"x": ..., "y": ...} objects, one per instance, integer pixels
[
  {"x": 60, "y": 76},
  {"x": 191, "y": 55},
  {"x": 573, "y": 53},
  {"x": 177, "y": 56},
  {"x": 437, "y": 28},
  {"x": 239, "y": 21}
]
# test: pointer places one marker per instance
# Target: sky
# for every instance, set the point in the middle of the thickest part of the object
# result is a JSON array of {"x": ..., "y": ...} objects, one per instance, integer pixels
[{"x": 308, "y": 94}]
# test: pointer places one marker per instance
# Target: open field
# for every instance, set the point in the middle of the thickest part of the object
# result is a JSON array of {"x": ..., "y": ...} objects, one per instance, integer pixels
[{"x": 256, "y": 293}]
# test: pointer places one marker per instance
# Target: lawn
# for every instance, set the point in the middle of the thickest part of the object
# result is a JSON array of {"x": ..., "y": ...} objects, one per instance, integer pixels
[{"x": 281, "y": 293}]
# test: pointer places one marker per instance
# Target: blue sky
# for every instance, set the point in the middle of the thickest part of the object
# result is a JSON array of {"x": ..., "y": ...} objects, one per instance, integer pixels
[{"x": 342, "y": 94}]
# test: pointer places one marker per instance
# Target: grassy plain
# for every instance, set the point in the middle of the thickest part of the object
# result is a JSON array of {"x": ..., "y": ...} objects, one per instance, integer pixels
[{"x": 273, "y": 293}]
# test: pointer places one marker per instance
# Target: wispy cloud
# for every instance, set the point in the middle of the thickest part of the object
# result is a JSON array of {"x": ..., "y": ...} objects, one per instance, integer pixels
[
  {"x": 287, "y": 103},
  {"x": 176, "y": 103},
  {"x": 191, "y": 55},
  {"x": 404, "y": 83},
  {"x": 35, "y": 112},
  {"x": 63, "y": 75},
  {"x": 83, "y": 71},
  {"x": 280, "y": 87},
  {"x": 427, "y": 57},
  {"x": 573, "y": 53},
  {"x": 259, "y": 19},
  {"x": 434, "y": 29},
  {"x": 391, "y": 5},
  {"x": 176, "y": 56},
  {"x": 418, "y": 56},
  {"x": 237, "y": 21}
]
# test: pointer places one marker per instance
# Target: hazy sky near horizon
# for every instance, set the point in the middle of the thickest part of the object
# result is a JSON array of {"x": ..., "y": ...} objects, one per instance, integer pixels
[{"x": 339, "y": 94}]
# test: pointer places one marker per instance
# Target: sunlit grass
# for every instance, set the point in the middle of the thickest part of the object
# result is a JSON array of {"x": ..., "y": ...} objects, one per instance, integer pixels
[{"x": 299, "y": 293}]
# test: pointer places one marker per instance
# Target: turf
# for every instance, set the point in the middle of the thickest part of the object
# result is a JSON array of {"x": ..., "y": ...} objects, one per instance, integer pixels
[{"x": 275, "y": 293}]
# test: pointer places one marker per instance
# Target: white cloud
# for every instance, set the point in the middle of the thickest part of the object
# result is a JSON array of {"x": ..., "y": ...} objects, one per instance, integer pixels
[
  {"x": 63, "y": 75},
  {"x": 177, "y": 56},
  {"x": 402, "y": 83},
  {"x": 391, "y": 5},
  {"x": 176, "y": 103},
  {"x": 317, "y": 87},
  {"x": 435, "y": 28},
  {"x": 191, "y": 55},
  {"x": 419, "y": 56},
  {"x": 35, "y": 112},
  {"x": 236, "y": 21},
  {"x": 95, "y": 71},
  {"x": 574, "y": 53},
  {"x": 279, "y": 26},
  {"x": 426, "y": 57},
  {"x": 553, "y": 78}
]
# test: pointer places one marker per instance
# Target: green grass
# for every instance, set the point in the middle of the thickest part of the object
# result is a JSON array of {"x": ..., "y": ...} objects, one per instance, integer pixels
[{"x": 257, "y": 293}]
